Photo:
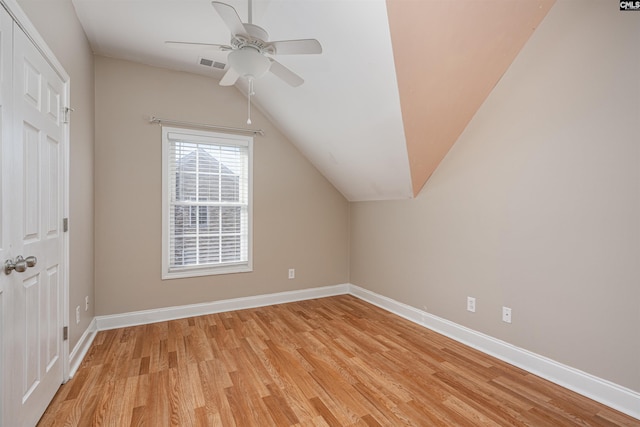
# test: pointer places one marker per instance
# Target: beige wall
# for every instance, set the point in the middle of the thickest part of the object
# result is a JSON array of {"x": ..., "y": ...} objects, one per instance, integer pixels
[
  {"x": 57, "y": 23},
  {"x": 536, "y": 207},
  {"x": 300, "y": 219}
]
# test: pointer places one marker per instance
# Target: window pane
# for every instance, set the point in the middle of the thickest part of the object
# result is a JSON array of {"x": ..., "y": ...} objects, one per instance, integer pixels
[
  {"x": 208, "y": 188},
  {"x": 231, "y": 248},
  {"x": 209, "y": 250},
  {"x": 177, "y": 251},
  {"x": 184, "y": 251},
  {"x": 209, "y": 220},
  {"x": 183, "y": 220},
  {"x": 185, "y": 157},
  {"x": 189, "y": 249},
  {"x": 231, "y": 220},
  {"x": 207, "y": 161},
  {"x": 185, "y": 187},
  {"x": 230, "y": 188}
]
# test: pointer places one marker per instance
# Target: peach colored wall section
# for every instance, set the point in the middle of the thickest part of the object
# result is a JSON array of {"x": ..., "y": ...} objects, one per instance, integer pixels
[{"x": 449, "y": 55}]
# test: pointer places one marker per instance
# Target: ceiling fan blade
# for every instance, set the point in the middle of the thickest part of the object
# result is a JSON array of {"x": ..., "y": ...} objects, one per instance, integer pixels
[
  {"x": 285, "y": 74},
  {"x": 230, "y": 17},
  {"x": 296, "y": 47},
  {"x": 197, "y": 46},
  {"x": 229, "y": 78}
]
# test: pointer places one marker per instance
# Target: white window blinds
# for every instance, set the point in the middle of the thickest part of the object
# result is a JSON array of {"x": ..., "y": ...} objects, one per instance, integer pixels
[{"x": 207, "y": 209}]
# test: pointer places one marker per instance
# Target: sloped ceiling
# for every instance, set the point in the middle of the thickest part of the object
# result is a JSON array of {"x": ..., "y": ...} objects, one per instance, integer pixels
[{"x": 374, "y": 134}]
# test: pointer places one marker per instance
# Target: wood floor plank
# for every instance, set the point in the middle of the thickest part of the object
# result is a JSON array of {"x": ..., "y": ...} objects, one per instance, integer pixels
[
  {"x": 279, "y": 408},
  {"x": 335, "y": 361}
]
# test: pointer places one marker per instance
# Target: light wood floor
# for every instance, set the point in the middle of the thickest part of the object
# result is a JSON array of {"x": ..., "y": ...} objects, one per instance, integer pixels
[{"x": 328, "y": 362}]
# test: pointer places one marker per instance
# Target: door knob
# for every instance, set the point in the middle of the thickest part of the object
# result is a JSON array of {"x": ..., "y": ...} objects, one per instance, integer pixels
[{"x": 20, "y": 264}]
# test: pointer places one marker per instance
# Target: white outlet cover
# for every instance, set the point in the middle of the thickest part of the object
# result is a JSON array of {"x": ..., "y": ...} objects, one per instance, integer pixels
[
  {"x": 506, "y": 314},
  {"x": 471, "y": 304}
]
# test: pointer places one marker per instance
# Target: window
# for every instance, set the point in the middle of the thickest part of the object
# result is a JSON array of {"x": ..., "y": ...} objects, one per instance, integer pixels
[{"x": 206, "y": 203}]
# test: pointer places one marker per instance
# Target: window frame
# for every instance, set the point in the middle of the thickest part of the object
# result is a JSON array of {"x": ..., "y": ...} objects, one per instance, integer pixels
[{"x": 217, "y": 139}]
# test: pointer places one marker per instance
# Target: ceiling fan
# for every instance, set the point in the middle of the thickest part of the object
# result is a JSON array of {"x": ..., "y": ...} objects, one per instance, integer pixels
[{"x": 250, "y": 50}]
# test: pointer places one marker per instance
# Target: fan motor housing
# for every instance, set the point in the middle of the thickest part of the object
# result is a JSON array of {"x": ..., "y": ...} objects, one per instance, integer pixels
[{"x": 256, "y": 38}]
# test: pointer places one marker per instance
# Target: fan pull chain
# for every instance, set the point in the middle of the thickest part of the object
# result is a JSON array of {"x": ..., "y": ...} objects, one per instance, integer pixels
[{"x": 251, "y": 92}]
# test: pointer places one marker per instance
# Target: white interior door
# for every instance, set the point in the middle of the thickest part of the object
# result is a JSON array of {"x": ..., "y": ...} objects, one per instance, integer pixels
[{"x": 33, "y": 298}]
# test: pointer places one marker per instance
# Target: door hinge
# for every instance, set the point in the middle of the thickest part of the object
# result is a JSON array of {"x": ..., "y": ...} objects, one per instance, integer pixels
[
  {"x": 65, "y": 225},
  {"x": 66, "y": 113},
  {"x": 65, "y": 333}
]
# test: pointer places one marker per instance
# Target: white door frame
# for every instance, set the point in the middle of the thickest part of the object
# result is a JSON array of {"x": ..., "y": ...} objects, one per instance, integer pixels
[{"x": 21, "y": 19}]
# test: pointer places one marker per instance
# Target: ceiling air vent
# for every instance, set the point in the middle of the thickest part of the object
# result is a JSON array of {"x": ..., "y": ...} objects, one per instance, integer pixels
[{"x": 211, "y": 63}]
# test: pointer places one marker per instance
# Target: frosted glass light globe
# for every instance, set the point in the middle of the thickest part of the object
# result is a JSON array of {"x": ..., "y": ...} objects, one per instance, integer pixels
[{"x": 249, "y": 63}]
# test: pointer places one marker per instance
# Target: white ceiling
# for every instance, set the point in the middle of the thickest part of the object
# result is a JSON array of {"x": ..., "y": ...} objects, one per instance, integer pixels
[{"x": 346, "y": 117}]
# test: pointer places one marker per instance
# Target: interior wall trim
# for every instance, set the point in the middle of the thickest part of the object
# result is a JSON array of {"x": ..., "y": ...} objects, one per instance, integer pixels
[
  {"x": 144, "y": 317},
  {"x": 82, "y": 347},
  {"x": 598, "y": 389}
]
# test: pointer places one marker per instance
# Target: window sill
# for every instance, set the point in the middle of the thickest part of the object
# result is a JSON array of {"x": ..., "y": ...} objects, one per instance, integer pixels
[{"x": 206, "y": 271}]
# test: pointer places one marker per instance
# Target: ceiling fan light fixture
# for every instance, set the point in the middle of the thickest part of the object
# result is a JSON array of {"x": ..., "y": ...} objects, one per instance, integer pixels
[{"x": 249, "y": 62}]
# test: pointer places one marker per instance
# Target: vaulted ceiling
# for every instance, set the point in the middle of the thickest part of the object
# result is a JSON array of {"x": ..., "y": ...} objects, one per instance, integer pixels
[{"x": 395, "y": 86}]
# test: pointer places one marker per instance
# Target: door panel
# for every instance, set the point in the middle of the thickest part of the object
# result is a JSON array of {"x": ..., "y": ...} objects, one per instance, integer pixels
[
  {"x": 28, "y": 304},
  {"x": 54, "y": 106},
  {"x": 52, "y": 313},
  {"x": 53, "y": 177},
  {"x": 31, "y": 184},
  {"x": 31, "y": 85}
]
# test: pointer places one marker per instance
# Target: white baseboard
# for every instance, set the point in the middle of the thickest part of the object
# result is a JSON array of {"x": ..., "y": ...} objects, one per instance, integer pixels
[
  {"x": 598, "y": 389},
  {"x": 179, "y": 312},
  {"x": 81, "y": 348}
]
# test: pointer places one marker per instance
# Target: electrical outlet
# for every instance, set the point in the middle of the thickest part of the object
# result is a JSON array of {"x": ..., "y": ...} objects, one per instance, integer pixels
[
  {"x": 471, "y": 304},
  {"x": 506, "y": 314},
  {"x": 292, "y": 273},
  {"x": 86, "y": 303},
  {"x": 77, "y": 315}
]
